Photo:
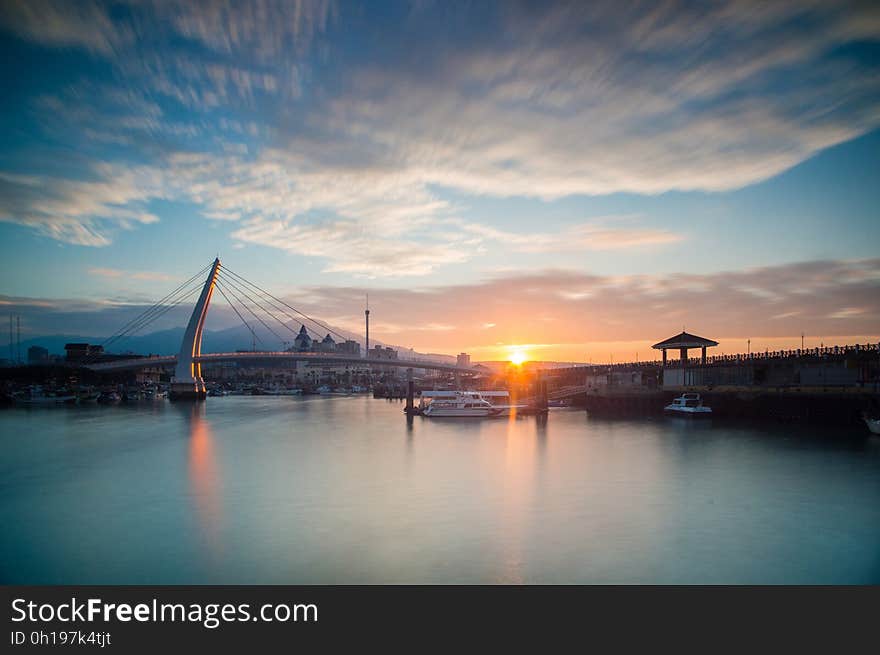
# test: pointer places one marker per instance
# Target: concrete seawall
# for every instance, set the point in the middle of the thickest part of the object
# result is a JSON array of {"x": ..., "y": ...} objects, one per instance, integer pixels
[{"x": 829, "y": 406}]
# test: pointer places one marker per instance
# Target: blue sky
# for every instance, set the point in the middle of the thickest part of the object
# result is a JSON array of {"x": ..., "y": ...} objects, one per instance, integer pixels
[{"x": 328, "y": 148}]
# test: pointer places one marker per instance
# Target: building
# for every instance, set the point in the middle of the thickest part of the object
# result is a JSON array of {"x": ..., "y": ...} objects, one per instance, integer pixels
[
  {"x": 326, "y": 345},
  {"x": 37, "y": 355},
  {"x": 302, "y": 342},
  {"x": 463, "y": 360},
  {"x": 77, "y": 352},
  {"x": 684, "y": 342},
  {"x": 378, "y": 352},
  {"x": 349, "y": 347}
]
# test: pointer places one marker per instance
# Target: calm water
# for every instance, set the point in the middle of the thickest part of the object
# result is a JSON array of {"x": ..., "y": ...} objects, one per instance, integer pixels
[{"x": 333, "y": 490}]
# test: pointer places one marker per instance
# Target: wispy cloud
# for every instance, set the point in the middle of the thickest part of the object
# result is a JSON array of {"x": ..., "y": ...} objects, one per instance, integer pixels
[
  {"x": 118, "y": 273},
  {"x": 556, "y": 307},
  {"x": 84, "y": 24},
  {"x": 596, "y": 235},
  {"x": 275, "y": 118},
  {"x": 82, "y": 212},
  {"x": 561, "y": 307}
]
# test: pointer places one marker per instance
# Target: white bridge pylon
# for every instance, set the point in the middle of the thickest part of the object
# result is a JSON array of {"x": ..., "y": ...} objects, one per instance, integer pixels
[{"x": 187, "y": 381}]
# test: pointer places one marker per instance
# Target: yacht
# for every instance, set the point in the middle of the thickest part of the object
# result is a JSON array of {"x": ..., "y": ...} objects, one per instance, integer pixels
[
  {"x": 499, "y": 400},
  {"x": 688, "y": 404},
  {"x": 462, "y": 404}
]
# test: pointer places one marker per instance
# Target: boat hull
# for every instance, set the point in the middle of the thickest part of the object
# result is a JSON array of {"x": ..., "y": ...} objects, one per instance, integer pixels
[
  {"x": 461, "y": 413},
  {"x": 690, "y": 412}
]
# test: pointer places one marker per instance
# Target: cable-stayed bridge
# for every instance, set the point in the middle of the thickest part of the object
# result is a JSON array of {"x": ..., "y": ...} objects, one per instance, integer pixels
[{"x": 254, "y": 306}]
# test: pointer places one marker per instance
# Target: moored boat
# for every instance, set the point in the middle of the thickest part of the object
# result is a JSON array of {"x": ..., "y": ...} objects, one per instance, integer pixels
[
  {"x": 499, "y": 400},
  {"x": 688, "y": 404},
  {"x": 462, "y": 404}
]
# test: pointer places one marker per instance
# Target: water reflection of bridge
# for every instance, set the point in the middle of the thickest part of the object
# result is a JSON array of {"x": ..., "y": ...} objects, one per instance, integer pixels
[{"x": 244, "y": 297}]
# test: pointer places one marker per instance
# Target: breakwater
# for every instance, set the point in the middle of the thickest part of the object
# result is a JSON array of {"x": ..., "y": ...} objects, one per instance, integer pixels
[{"x": 829, "y": 385}]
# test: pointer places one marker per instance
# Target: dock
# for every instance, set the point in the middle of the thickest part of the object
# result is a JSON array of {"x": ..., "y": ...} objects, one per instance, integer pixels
[{"x": 829, "y": 384}]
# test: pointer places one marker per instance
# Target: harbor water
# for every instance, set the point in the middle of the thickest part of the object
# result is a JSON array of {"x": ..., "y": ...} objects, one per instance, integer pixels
[{"x": 264, "y": 490}]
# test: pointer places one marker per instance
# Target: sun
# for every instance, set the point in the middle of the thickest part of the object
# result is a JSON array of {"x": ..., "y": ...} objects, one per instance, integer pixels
[{"x": 517, "y": 357}]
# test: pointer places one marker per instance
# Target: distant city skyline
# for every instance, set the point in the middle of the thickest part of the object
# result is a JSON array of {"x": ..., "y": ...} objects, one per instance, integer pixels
[{"x": 567, "y": 180}]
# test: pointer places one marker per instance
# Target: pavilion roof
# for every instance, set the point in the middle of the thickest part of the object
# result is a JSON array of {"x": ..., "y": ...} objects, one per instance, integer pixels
[{"x": 684, "y": 340}]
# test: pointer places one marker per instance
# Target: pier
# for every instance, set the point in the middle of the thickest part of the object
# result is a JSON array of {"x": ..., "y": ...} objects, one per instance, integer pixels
[{"x": 833, "y": 384}]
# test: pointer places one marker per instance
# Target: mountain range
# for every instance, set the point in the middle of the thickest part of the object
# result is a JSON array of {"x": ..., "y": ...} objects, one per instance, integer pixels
[{"x": 167, "y": 342}]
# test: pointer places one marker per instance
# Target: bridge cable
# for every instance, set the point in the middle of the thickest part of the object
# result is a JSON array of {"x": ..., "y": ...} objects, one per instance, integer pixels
[
  {"x": 278, "y": 301},
  {"x": 244, "y": 304},
  {"x": 306, "y": 316},
  {"x": 143, "y": 324},
  {"x": 155, "y": 315},
  {"x": 238, "y": 313},
  {"x": 245, "y": 292},
  {"x": 156, "y": 305},
  {"x": 133, "y": 324},
  {"x": 249, "y": 294}
]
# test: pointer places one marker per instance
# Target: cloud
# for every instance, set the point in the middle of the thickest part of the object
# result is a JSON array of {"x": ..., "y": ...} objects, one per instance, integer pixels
[
  {"x": 591, "y": 236},
  {"x": 266, "y": 29},
  {"x": 83, "y": 212},
  {"x": 57, "y": 23},
  {"x": 565, "y": 307},
  {"x": 326, "y": 132},
  {"x": 598, "y": 99},
  {"x": 350, "y": 248},
  {"x": 117, "y": 273},
  {"x": 551, "y": 308}
]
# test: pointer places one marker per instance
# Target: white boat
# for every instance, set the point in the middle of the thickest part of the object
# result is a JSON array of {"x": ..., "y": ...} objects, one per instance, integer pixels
[
  {"x": 461, "y": 404},
  {"x": 872, "y": 423},
  {"x": 499, "y": 400},
  {"x": 688, "y": 404}
]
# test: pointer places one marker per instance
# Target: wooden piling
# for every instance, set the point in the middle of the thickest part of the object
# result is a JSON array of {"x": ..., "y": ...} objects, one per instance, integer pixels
[{"x": 410, "y": 392}]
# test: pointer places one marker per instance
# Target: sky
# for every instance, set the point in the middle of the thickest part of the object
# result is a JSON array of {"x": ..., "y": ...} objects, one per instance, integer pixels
[{"x": 577, "y": 179}]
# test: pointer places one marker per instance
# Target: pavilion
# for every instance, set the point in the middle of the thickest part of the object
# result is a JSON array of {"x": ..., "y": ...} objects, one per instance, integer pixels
[{"x": 683, "y": 342}]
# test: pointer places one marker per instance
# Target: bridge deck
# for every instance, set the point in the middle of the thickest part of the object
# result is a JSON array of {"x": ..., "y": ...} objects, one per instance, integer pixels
[{"x": 324, "y": 358}]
